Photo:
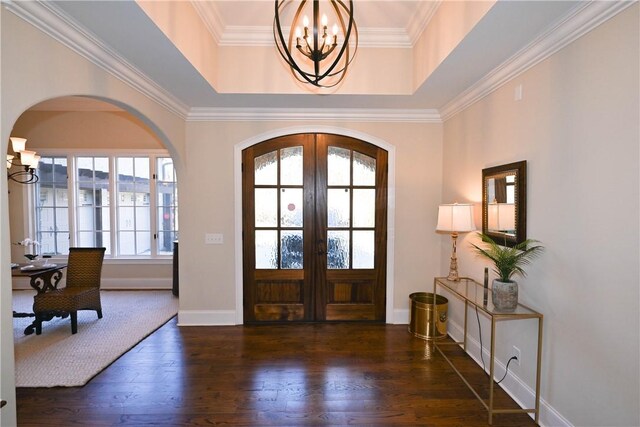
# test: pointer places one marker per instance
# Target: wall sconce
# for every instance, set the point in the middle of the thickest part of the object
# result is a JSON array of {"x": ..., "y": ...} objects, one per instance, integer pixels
[
  {"x": 454, "y": 219},
  {"x": 25, "y": 159}
]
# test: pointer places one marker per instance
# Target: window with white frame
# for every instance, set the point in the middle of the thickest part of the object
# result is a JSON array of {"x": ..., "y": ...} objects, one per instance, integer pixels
[
  {"x": 167, "y": 205},
  {"x": 93, "y": 223},
  {"x": 112, "y": 204},
  {"x": 52, "y": 206}
]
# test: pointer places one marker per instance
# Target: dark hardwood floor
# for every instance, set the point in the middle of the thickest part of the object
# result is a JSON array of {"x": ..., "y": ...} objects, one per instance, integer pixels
[{"x": 289, "y": 375}]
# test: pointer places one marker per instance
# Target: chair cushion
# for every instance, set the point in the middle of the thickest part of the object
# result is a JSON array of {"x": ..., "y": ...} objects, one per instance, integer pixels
[{"x": 67, "y": 299}]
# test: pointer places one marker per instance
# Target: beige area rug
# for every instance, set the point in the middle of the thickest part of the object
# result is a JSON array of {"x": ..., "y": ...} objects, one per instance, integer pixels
[{"x": 58, "y": 358}]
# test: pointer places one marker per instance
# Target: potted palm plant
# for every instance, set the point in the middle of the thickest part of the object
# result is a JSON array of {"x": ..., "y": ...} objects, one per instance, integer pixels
[{"x": 508, "y": 262}]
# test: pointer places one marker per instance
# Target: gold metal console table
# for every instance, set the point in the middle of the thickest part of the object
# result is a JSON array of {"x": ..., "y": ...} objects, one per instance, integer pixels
[{"x": 472, "y": 293}]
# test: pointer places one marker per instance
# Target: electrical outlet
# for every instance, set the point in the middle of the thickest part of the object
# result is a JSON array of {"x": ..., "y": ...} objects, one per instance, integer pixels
[{"x": 516, "y": 352}]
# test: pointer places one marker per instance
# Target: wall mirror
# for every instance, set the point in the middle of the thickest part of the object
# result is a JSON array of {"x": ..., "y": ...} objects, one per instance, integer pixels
[{"x": 504, "y": 203}]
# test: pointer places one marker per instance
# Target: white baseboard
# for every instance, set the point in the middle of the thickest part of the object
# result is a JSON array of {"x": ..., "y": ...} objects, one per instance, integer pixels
[
  {"x": 206, "y": 317},
  {"x": 114, "y": 284},
  {"x": 137, "y": 283},
  {"x": 512, "y": 384}
]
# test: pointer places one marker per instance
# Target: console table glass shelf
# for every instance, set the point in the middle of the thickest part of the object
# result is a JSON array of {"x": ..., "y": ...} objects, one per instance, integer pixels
[{"x": 473, "y": 295}]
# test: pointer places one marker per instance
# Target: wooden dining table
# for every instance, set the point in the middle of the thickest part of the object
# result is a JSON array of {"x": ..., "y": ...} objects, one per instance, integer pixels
[{"x": 42, "y": 278}]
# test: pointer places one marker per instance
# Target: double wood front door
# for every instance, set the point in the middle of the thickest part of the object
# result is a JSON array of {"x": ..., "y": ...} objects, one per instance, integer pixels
[{"x": 314, "y": 229}]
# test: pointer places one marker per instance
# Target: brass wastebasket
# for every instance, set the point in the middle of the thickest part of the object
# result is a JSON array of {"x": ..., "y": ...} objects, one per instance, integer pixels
[{"x": 422, "y": 318}]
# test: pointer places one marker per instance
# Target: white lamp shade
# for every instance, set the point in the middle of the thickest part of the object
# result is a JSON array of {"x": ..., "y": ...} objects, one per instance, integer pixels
[
  {"x": 18, "y": 144},
  {"x": 9, "y": 161},
  {"x": 28, "y": 158},
  {"x": 457, "y": 217},
  {"x": 501, "y": 216},
  {"x": 36, "y": 160}
]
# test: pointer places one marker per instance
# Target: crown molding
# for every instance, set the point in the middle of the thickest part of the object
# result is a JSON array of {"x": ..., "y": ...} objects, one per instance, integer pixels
[
  {"x": 420, "y": 20},
  {"x": 584, "y": 18},
  {"x": 236, "y": 35},
  {"x": 209, "y": 14},
  {"x": 50, "y": 19},
  {"x": 315, "y": 114}
]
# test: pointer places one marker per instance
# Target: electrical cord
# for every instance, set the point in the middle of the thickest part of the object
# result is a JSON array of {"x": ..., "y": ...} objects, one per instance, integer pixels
[
  {"x": 506, "y": 371},
  {"x": 484, "y": 369}
]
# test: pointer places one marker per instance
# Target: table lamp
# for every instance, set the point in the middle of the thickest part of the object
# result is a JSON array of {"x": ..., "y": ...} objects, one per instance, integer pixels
[
  {"x": 501, "y": 216},
  {"x": 455, "y": 218}
]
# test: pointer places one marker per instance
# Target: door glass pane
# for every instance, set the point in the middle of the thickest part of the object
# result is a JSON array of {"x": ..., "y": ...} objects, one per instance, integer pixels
[
  {"x": 364, "y": 207},
  {"x": 337, "y": 249},
  {"x": 363, "y": 248},
  {"x": 291, "y": 166},
  {"x": 267, "y": 249},
  {"x": 266, "y": 169},
  {"x": 339, "y": 166},
  {"x": 338, "y": 204},
  {"x": 291, "y": 207},
  {"x": 364, "y": 169},
  {"x": 291, "y": 249},
  {"x": 266, "y": 210}
]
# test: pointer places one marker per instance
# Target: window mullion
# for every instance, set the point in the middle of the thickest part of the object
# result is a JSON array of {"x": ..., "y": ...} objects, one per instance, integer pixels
[
  {"x": 113, "y": 211},
  {"x": 153, "y": 207},
  {"x": 72, "y": 203}
]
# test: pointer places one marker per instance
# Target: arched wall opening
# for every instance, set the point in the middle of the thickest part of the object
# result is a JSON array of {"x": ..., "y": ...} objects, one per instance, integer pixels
[
  {"x": 314, "y": 129},
  {"x": 92, "y": 126}
]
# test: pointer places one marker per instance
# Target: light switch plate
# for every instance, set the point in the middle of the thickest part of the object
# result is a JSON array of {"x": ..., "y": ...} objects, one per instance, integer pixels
[{"x": 213, "y": 239}]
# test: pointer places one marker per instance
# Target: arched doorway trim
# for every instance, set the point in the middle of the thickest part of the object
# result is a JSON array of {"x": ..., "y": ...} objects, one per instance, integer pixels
[{"x": 237, "y": 178}]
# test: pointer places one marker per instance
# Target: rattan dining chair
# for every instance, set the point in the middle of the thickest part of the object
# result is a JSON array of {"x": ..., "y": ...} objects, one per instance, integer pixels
[{"x": 82, "y": 290}]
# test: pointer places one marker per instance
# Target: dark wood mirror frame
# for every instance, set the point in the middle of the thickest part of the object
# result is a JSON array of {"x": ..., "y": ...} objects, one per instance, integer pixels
[{"x": 519, "y": 170}]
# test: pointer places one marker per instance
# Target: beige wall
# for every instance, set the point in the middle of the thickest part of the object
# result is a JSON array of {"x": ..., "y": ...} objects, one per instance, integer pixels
[
  {"x": 208, "y": 275},
  {"x": 50, "y": 70},
  {"x": 180, "y": 22},
  {"x": 85, "y": 129},
  {"x": 577, "y": 127},
  {"x": 451, "y": 22}
]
